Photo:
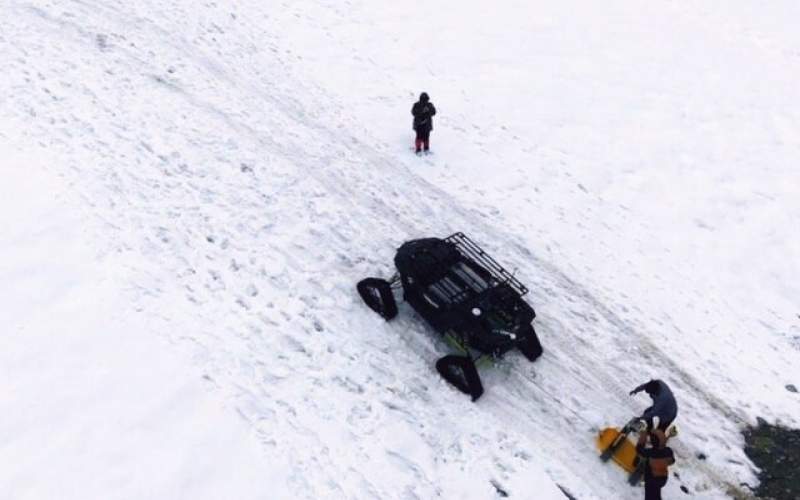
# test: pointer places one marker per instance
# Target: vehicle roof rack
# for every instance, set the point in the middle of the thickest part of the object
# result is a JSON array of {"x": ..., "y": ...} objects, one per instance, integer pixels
[{"x": 471, "y": 250}]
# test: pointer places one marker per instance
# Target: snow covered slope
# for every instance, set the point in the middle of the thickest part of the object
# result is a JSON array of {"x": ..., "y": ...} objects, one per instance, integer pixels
[
  {"x": 94, "y": 406},
  {"x": 231, "y": 170}
]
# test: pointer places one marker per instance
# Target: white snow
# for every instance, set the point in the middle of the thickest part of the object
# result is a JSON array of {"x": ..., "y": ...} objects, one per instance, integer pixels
[
  {"x": 191, "y": 191},
  {"x": 93, "y": 405}
]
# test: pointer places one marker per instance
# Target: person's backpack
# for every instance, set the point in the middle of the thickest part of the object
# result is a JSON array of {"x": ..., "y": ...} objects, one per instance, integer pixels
[{"x": 659, "y": 467}]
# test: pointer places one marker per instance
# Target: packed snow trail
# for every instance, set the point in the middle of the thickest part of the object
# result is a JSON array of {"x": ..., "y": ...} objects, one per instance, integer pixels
[{"x": 247, "y": 200}]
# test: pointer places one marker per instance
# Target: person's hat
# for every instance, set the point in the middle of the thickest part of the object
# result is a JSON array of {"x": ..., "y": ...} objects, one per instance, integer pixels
[{"x": 652, "y": 387}]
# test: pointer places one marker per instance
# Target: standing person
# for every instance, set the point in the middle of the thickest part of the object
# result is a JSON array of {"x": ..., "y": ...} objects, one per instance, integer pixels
[
  {"x": 664, "y": 408},
  {"x": 423, "y": 111},
  {"x": 656, "y": 461}
]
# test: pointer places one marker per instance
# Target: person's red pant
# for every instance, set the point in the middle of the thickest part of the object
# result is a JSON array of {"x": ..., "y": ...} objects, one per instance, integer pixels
[{"x": 423, "y": 140}]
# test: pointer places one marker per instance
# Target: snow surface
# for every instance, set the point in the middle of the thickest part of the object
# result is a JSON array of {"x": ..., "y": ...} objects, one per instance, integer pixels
[
  {"x": 93, "y": 405},
  {"x": 192, "y": 189}
]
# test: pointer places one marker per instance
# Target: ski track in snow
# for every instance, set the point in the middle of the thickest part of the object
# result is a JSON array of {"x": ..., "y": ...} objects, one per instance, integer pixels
[{"x": 248, "y": 206}]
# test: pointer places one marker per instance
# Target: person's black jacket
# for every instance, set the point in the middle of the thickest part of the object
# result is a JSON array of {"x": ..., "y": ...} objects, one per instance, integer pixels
[
  {"x": 664, "y": 405},
  {"x": 423, "y": 111}
]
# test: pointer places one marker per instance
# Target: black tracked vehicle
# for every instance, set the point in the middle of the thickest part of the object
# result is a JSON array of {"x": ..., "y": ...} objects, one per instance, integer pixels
[{"x": 466, "y": 296}]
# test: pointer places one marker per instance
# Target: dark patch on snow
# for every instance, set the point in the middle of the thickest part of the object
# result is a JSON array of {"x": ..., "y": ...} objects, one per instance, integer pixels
[
  {"x": 703, "y": 225},
  {"x": 791, "y": 388},
  {"x": 102, "y": 41},
  {"x": 776, "y": 451},
  {"x": 500, "y": 491},
  {"x": 566, "y": 493},
  {"x": 165, "y": 83}
]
